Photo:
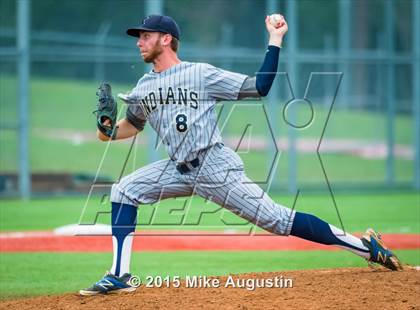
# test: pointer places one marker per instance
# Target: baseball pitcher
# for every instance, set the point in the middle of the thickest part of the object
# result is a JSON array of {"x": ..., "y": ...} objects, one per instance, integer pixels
[{"x": 177, "y": 99}]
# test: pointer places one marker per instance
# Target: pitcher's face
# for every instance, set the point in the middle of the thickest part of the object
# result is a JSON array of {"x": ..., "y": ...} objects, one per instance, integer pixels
[{"x": 149, "y": 45}]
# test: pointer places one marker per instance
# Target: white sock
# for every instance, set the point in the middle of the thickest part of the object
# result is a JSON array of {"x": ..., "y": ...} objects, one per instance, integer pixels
[
  {"x": 351, "y": 240},
  {"x": 122, "y": 255}
]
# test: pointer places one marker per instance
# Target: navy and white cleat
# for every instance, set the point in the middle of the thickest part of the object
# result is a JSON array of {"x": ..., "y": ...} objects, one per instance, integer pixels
[
  {"x": 112, "y": 284},
  {"x": 379, "y": 253}
]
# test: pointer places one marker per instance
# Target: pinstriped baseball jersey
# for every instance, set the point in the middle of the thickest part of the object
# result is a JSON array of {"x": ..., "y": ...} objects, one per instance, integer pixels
[{"x": 179, "y": 104}]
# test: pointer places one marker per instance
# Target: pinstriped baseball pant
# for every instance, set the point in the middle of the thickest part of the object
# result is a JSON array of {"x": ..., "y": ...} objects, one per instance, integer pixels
[{"x": 219, "y": 178}]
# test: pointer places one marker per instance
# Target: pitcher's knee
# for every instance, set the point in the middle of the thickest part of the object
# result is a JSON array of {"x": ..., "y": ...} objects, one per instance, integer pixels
[
  {"x": 118, "y": 195},
  {"x": 115, "y": 193}
]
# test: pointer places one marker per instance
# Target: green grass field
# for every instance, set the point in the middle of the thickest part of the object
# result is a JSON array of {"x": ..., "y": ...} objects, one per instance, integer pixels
[{"x": 53, "y": 273}]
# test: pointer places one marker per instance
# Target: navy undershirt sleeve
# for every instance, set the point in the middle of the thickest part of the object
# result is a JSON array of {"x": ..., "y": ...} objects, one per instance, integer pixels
[{"x": 268, "y": 70}]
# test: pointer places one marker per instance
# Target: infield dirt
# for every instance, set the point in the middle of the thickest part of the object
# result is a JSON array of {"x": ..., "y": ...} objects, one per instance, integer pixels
[{"x": 350, "y": 288}]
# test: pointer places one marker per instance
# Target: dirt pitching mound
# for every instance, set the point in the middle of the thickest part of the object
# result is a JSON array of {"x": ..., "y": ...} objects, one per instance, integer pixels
[{"x": 351, "y": 288}]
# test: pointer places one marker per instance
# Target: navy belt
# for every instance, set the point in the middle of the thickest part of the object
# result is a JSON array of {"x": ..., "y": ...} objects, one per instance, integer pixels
[{"x": 188, "y": 166}]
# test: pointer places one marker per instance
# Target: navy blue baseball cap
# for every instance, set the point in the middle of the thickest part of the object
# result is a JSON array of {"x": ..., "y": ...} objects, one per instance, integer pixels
[{"x": 159, "y": 23}]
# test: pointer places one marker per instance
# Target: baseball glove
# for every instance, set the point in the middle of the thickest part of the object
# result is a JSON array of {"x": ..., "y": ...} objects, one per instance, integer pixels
[{"x": 106, "y": 110}]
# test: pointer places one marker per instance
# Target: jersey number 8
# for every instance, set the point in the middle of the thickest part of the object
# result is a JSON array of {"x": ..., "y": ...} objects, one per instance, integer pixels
[{"x": 181, "y": 122}]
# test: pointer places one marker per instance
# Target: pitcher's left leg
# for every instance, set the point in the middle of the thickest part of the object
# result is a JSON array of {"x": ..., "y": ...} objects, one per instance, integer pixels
[{"x": 246, "y": 199}]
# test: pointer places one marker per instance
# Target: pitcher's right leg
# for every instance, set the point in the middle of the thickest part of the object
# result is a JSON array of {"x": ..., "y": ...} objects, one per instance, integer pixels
[{"x": 146, "y": 185}]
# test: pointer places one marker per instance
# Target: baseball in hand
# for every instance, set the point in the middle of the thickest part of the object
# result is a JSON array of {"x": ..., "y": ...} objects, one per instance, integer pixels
[{"x": 276, "y": 20}]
